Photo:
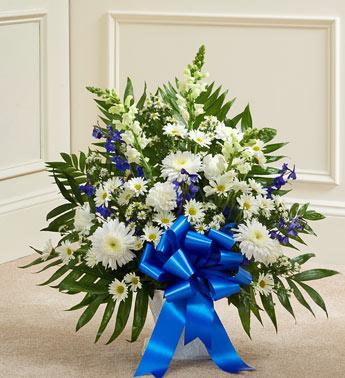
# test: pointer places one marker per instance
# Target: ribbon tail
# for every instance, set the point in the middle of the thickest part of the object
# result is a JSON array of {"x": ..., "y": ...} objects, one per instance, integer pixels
[
  {"x": 223, "y": 352},
  {"x": 164, "y": 339}
]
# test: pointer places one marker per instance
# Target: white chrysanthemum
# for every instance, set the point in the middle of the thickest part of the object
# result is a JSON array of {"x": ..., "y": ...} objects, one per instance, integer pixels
[
  {"x": 118, "y": 290},
  {"x": 221, "y": 185},
  {"x": 137, "y": 185},
  {"x": 265, "y": 284},
  {"x": 112, "y": 244},
  {"x": 256, "y": 243},
  {"x": 91, "y": 259},
  {"x": 257, "y": 187},
  {"x": 83, "y": 219},
  {"x": 175, "y": 162},
  {"x": 164, "y": 218},
  {"x": 175, "y": 130},
  {"x": 124, "y": 197},
  {"x": 194, "y": 211},
  {"x": 162, "y": 197},
  {"x": 266, "y": 205},
  {"x": 47, "y": 250},
  {"x": 248, "y": 204},
  {"x": 113, "y": 184},
  {"x": 66, "y": 250},
  {"x": 102, "y": 196},
  {"x": 213, "y": 166},
  {"x": 152, "y": 234},
  {"x": 133, "y": 280},
  {"x": 201, "y": 138}
]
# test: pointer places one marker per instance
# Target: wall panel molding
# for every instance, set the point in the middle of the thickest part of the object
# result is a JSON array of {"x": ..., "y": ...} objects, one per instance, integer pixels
[
  {"x": 328, "y": 24},
  {"x": 35, "y": 17}
]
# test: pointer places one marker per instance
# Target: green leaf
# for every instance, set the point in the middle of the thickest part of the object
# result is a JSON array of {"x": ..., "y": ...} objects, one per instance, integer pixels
[
  {"x": 297, "y": 293},
  {"x": 315, "y": 296},
  {"x": 225, "y": 109},
  {"x": 82, "y": 161},
  {"x": 142, "y": 99},
  {"x": 59, "y": 273},
  {"x": 108, "y": 313},
  {"x": 63, "y": 190},
  {"x": 254, "y": 306},
  {"x": 54, "y": 263},
  {"x": 85, "y": 302},
  {"x": 273, "y": 158},
  {"x": 66, "y": 157},
  {"x": 246, "y": 121},
  {"x": 284, "y": 298},
  {"x": 59, "y": 210},
  {"x": 128, "y": 90},
  {"x": 96, "y": 288},
  {"x": 313, "y": 215},
  {"x": 268, "y": 304},
  {"x": 234, "y": 121},
  {"x": 301, "y": 259},
  {"x": 314, "y": 274},
  {"x": 122, "y": 317},
  {"x": 35, "y": 262},
  {"x": 140, "y": 313},
  {"x": 273, "y": 147},
  {"x": 293, "y": 209},
  {"x": 89, "y": 312},
  {"x": 266, "y": 134},
  {"x": 60, "y": 221},
  {"x": 244, "y": 313}
]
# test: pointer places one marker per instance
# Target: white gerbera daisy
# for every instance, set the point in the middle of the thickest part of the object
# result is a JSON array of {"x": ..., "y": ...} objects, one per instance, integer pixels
[
  {"x": 152, "y": 234},
  {"x": 112, "y": 244},
  {"x": 221, "y": 185},
  {"x": 162, "y": 197},
  {"x": 83, "y": 219},
  {"x": 256, "y": 243},
  {"x": 113, "y": 184},
  {"x": 137, "y": 185},
  {"x": 47, "y": 250},
  {"x": 133, "y": 280},
  {"x": 102, "y": 196},
  {"x": 194, "y": 211},
  {"x": 164, "y": 219},
  {"x": 175, "y": 130},
  {"x": 248, "y": 204},
  {"x": 124, "y": 197},
  {"x": 66, "y": 250},
  {"x": 265, "y": 284},
  {"x": 201, "y": 138},
  {"x": 266, "y": 205},
  {"x": 91, "y": 259},
  {"x": 118, "y": 290},
  {"x": 175, "y": 162}
]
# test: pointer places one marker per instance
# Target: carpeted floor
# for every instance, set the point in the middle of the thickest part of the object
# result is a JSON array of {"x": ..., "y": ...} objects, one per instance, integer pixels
[{"x": 37, "y": 337}]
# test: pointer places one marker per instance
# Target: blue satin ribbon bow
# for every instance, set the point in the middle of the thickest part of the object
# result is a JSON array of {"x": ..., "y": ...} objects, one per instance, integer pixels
[{"x": 196, "y": 268}]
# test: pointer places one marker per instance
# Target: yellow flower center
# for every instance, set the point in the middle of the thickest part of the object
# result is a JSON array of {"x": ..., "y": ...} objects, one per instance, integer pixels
[
  {"x": 221, "y": 188},
  {"x": 69, "y": 251},
  {"x": 165, "y": 220},
  {"x": 104, "y": 195},
  {"x": 199, "y": 140},
  {"x": 181, "y": 162},
  {"x": 192, "y": 211},
  {"x": 262, "y": 284},
  {"x": 152, "y": 237},
  {"x": 246, "y": 205},
  {"x": 256, "y": 148},
  {"x": 137, "y": 186},
  {"x": 120, "y": 289},
  {"x": 112, "y": 244},
  {"x": 258, "y": 235},
  {"x": 135, "y": 281},
  {"x": 174, "y": 132}
]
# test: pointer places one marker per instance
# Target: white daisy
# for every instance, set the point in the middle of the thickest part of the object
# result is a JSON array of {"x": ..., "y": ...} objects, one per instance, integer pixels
[
  {"x": 256, "y": 243},
  {"x": 240, "y": 186},
  {"x": 112, "y": 244},
  {"x": 265, "y": 284},
  {"x": 118, "y": 290},
  {"x": 162, "y": 197},
  {"x": 201, "y": 228},
  {"x": 113, "y": 184},
  {"x": 91, "y": 259},
  {"x": 194, "y": 211},
  {"x": 256, "y": 148},
  {"x": 221, "y": 185},
  {"x": 266, "y": 205},
  {"x": 257, "y": 187},
  {"x": 248, "y": 204},
  {"x": 213, "y": 166},
  {"x": 175, "y": 162},
  {"x": 124, "y": 197},
  {"x": 47, "y": 250},
  {"x": 152, "y": 234},
  {"x": 66, "y": 250},
  {"x": 201, "y": 138},
  {"x": 164, "y": 219},
  {"x": 137, "y": 185},
  {"x": 175, "y": 130},
  {"x": 138, "y": 244},
  {"x": 133, "y": 280},
  {"x": 102, "y": 196},
  {"x": 83, "y": 219}
]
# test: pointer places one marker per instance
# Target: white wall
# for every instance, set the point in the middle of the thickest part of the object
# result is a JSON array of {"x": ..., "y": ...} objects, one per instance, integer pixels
[
  {"x": 34, "y": 121},
  {"x": 285, "y": 58}
]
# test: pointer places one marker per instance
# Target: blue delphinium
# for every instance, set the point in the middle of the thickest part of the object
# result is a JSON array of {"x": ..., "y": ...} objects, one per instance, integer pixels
[
  {"x": 285, "y": 174},
  {"x": 120, "y": 163},
  {"x": 88, "y": 189},
  {"x": 102, "y": 210},
  {"x": 97, "y": 133}
]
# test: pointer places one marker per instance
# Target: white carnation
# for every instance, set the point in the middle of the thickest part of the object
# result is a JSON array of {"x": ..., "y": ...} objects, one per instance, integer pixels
[{"x": 162, "y": 197}]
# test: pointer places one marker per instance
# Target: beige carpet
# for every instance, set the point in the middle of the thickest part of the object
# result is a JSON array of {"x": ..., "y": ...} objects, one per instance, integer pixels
[{"x": 37, "y": 337}]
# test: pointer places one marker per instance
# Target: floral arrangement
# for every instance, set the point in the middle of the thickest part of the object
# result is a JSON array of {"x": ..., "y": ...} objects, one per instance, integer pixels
[{"x": 175, "y": 154}]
